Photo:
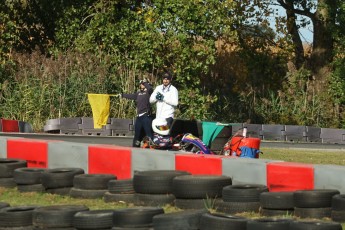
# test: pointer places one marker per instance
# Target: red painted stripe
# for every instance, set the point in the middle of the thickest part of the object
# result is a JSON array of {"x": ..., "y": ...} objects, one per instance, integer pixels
[
  {"x": 289, "y": 176},
  {"x": 199, "y": 164},
  {"x": 35, "y": 152},
  {"x": 110, "y": 159}
]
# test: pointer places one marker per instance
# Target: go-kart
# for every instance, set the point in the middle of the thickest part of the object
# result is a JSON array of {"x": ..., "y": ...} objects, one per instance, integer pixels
[{"x": 182, "y": 142}]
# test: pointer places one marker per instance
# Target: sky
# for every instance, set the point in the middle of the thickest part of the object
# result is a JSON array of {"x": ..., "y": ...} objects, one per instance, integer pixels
[{"x": 306, "y": 33}]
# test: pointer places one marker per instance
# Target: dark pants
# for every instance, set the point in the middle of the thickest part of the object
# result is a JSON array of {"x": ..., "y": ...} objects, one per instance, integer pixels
[
  {"x": 169, "y": 121},
  {"x": 143, "y": 127}
]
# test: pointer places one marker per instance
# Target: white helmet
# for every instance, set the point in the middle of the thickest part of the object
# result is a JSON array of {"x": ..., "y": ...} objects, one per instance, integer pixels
[{"x": 160, "y": 126}]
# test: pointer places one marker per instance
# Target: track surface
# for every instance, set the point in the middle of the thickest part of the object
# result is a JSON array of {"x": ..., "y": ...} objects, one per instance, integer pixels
[{"x": 127, "y": 141}]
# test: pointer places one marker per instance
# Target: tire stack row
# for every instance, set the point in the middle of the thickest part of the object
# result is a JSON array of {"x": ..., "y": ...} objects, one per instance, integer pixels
[
  {"x": 241, "y": 198},
  {"x": 29, "y": 179},
  {"x": 155, "y": 187},
  {"x": 68, "y": 217},
  {"x": 121, "y": 191},
  {"x": 224, "y": 222},
  {"x": 60, "y": 180},
  {"x": 199, "y": 191},
  {"x": 90, "y": 186},
  {"x": 314, "y": 203},
  {"x": 277, "y": 204},
  {"x": 317, "y": 203},
  {"x": 338, "y": 208},
  {"x": 7, "y": 167}
]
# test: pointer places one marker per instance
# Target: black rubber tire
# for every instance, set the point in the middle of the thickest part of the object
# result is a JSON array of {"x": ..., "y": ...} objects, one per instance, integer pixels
[
  {"x": 120, "y": 198},
  {"x": 17, "y": 216},
  {"x": 155, "y": 181},
  {"x": 238, "y": 207},
  {"x": 154, "y": 199},
  {"x": 93, "y": 219},
  {"x": 277, "y": 200},
  {"x": 316, "y": 213},
  {"x": 338, "y": 216},
  {"x": 86, "y": 193},
  {"x": 56, "y": 216},
  {"x": 30, "y": 227},
  {"x": 243, "y": 193},
  {"x": 121, "y": 186},
  {"x": 124, "y": 228},
  {"x": 31, "y": 188},
  {"x": 268, "y": 223},
  {"x": 318, "y": 198},
  {"x": 222, "y": 222},
  {"x": 92, "y": 181},
  {"x": 314, "y": 225},
  {"x": 24, "y": 176},
  {"x": 182, "y": 220},
  {"x": 36, "y": 228},
  {"x": 7, "y": 182},
  {"x": 338, "y": 202},
  {"x": 8, "y": 165},
  {"x": 135, "y": 217},
  {"x": 60, "y": 177},
  {"x": 199, "y": 186},
  {"x": 276, "y": 212}
]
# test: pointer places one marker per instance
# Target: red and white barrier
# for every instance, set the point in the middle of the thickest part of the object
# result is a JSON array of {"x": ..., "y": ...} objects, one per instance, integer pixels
[{"x": 124, "y": 161}]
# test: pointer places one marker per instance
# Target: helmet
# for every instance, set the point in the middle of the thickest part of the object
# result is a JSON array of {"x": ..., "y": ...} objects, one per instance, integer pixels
[
  {"x": 167, "y": 75},
  {"x": 160, "y": 126}
]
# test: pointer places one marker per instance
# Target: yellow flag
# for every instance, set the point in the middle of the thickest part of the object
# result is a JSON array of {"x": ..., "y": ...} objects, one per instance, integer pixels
[{"x": 100, "y": 105}]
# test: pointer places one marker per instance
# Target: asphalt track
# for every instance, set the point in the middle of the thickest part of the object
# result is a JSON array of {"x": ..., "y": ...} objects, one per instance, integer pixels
[{"x": 127, "y": 141}]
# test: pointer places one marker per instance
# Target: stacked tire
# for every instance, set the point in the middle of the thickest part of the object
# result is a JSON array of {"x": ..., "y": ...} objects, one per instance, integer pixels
[
  {"x": 7, "y": 167},
  {"x": 155, "y": 187},
  {"x": 241, "y": 198},
  {"x": 121, "y": 191},
  {"x": 338, "y": 208},
  {"x": 29, "y": 179},
  {"x": 56, "y": 216},
  {"x": 269, "y": 223},
  {"x": 16, "y": 217},
  {"x": 314, "y": 225},
  {"x": 60, "y": 180},
  {"x": 181, "y": 220},
  {"x": 314, "y": 203},
  {"x": 276, "y": 204},
  {"x": 90, "y": 186},
  {"x": 222, "y": 222},
  {"x": 135, "y": 218},
  {"x": 93, "y": 219},
  {"x": 199, "y": 191}
]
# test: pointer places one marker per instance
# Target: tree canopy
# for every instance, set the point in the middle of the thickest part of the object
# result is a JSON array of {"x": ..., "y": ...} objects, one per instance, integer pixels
[{"x": 228, "y": 63}]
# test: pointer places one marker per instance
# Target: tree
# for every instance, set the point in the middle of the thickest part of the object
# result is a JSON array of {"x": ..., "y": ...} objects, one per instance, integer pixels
[{"x": 322, "y": 14}]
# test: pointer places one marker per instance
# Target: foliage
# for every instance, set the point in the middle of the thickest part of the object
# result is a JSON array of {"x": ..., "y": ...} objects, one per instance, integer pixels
[
  {"x": 44, "y": 88},
  {"x": 227, "y": 62}
]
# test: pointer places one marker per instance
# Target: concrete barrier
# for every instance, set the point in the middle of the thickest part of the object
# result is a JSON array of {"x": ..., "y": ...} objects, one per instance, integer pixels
[
  {"x": 330, "y": 176},
  {"x": 124, "y": 161},
  {"x": 246, "y": 170},
  {"x": 72, "y": 155}
]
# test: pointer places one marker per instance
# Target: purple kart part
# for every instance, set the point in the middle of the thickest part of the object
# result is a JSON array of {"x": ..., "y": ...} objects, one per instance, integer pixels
[{"x": 191, "y": 139}]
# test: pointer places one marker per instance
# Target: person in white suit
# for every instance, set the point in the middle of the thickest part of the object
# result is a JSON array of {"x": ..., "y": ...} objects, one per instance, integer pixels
[{"x": 166, "y": 98}]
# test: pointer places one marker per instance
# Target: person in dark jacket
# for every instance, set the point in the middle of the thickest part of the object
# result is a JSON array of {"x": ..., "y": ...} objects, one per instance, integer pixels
[{"x": 143, "y": 121}]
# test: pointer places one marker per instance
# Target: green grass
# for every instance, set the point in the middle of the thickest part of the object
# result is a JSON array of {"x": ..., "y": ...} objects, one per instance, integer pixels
[
  {"x": 16, "y": 198},
  {"x": 335, "y": 157}
]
